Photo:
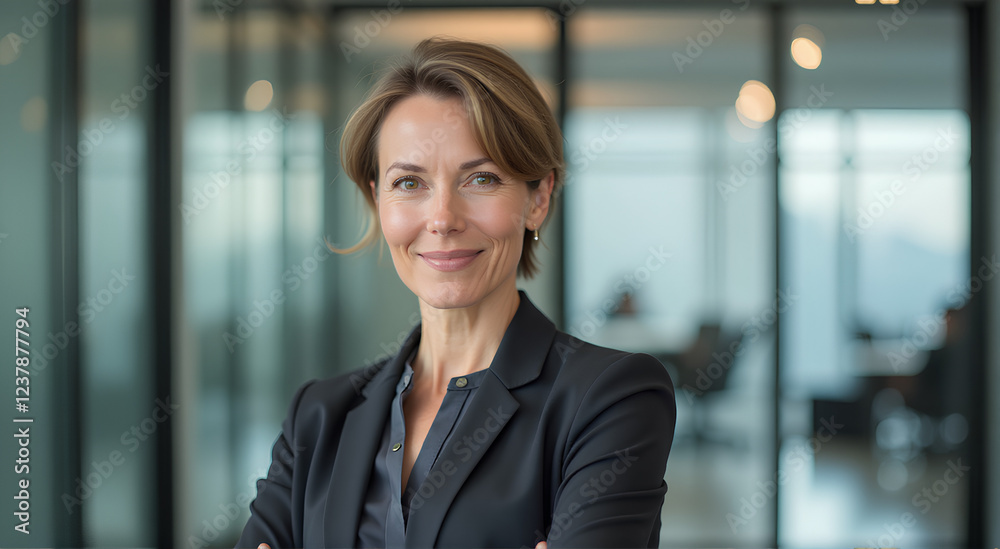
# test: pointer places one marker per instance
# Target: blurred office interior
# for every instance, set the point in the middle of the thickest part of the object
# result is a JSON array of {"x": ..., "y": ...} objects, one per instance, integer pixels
[{"x": 794, "y": 205}]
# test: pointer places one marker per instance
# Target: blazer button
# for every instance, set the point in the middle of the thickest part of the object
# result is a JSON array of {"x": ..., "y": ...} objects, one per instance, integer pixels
[
  {"x": 396, "y": 447},
  {"x": 461, "y": 382}
]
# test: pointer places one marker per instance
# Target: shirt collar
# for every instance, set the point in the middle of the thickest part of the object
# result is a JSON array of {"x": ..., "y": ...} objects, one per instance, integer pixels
[{"x": 458, "y": 383}]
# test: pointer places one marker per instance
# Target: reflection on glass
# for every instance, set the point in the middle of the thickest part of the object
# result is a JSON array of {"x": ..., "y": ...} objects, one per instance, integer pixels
[
  {"x": 116, "y": 380},
  {"x": 668, "y": 243},
  {"x": 875, "y": 209}
]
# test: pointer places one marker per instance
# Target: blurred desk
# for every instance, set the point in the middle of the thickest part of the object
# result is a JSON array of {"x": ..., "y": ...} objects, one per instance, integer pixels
[
  {"x": 635, "y": 334},
  {"x": 885, "y": 357}
]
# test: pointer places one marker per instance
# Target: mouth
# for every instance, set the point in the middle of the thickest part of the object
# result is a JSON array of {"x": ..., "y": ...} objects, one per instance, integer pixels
[{"x": 450, "y": 261}]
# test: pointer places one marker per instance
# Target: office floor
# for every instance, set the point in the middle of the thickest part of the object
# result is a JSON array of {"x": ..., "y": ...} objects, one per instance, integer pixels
[{"x": 721, "y": 495}]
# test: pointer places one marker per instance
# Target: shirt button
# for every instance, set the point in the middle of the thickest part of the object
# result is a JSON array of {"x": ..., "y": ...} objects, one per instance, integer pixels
[
  {"x": 461, "y": 382},
  {"x": 396, "y": 447}
]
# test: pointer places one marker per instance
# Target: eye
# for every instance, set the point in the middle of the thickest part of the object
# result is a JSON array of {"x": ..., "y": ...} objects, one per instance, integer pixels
[
  {"x": 484, "y": 179},
  {"x": 407, "y": 184}
]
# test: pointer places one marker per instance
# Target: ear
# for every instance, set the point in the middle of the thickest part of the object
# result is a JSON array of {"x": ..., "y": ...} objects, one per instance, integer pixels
[
  {"x": 541, "y": 198},
  {"x": 371, "y": 184}
]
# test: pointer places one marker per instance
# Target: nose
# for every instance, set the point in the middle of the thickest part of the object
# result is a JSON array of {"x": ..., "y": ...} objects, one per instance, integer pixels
[{"x": 447, "y": 212}]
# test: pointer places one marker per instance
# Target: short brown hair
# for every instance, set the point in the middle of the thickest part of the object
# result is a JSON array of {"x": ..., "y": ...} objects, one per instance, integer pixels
[{"x": 511, "y": 121}]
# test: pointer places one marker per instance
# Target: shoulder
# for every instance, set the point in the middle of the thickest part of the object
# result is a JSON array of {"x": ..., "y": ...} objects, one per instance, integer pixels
[
  {"x": 585, "y": 364},
  {"x": 592, "y": 381},
  {"x": 610, "y": 399},
  {"x": 316, "y": 399}
]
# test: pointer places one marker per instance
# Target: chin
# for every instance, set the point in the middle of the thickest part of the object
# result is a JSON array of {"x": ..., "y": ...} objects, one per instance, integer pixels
[{"x": 449, "y": 295}]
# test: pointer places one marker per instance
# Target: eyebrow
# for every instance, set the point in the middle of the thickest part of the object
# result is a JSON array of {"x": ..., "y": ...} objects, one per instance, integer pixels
[{"x": 408, "y": 167}]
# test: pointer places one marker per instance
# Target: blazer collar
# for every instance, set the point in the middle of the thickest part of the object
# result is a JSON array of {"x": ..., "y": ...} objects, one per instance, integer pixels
[
  {"x": 525, "y": 344},
  {"x": 518, "y": 361}
]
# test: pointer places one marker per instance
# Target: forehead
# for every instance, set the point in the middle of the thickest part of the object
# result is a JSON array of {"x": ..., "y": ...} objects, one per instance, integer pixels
[{"x": 425, "y": 126}]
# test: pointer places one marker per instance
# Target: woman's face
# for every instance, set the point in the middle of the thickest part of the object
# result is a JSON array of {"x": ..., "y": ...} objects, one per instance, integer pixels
[{"x": 454, "y": 222}]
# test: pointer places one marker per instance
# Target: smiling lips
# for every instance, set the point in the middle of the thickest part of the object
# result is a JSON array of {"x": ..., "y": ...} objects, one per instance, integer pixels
[{"x": 454, "y": 260}]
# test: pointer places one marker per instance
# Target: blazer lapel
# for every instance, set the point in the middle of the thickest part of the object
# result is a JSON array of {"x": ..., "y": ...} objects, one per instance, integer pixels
[
  {"x": 518, "y": 361},
  {"x": 358, "y": 445}
]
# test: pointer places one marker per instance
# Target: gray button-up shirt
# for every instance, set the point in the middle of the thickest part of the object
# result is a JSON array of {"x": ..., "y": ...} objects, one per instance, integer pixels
[{"x": 386, "y": 507}]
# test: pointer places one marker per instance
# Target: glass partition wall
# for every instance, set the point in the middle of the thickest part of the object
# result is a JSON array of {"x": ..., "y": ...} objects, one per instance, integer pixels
[
  {"x": 875, "y": 203},
  {"x": 669, "y": 241}
]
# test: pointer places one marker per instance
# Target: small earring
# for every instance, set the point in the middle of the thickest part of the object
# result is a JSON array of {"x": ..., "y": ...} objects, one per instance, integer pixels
[{"x": 536, "y": 234}]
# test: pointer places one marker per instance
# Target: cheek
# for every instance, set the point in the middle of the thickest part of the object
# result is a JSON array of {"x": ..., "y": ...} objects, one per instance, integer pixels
[
  {"x": 397, "y": 226},
  {"x": 503, "y": 223}
]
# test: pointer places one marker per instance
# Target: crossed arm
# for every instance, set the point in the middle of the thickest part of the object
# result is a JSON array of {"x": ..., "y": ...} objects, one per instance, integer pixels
[{"x": 612, "y": 487}]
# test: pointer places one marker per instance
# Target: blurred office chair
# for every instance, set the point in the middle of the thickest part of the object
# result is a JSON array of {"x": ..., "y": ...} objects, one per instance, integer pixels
[{"x": 701, "y": 371}]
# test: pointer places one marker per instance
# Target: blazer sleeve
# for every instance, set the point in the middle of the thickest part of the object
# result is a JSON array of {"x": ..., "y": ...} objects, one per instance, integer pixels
[
  {"x": 612, "y": 486},
  {"x": 272, "y": 511}
]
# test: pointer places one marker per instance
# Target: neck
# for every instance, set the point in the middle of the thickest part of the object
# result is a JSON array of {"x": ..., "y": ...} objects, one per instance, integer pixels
[{"x": 457, "y": 342}]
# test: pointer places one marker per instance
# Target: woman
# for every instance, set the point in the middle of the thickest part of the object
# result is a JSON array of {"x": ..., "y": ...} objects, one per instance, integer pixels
[{"x": 490, "y": 428}]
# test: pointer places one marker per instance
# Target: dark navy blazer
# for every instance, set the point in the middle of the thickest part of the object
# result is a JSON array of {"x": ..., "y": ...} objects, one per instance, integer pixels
[{"x": 564, "y": 441}]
